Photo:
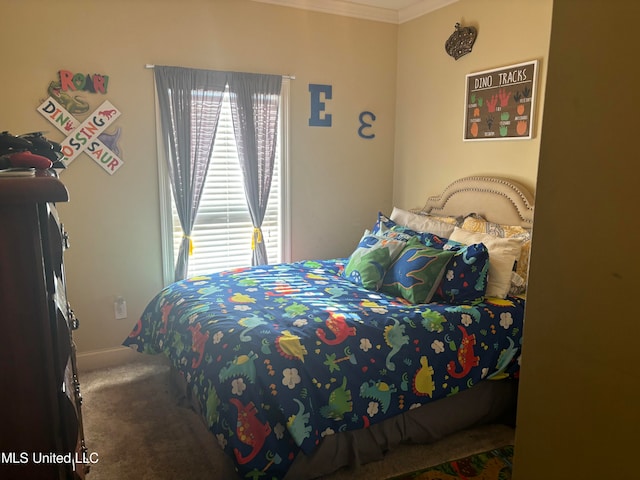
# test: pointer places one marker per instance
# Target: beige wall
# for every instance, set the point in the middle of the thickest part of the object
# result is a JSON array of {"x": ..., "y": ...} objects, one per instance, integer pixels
[
  {"x": 338, "y": 180},
  {"x": 429, "y": 149},
  {"x": 578, "y": 413}
]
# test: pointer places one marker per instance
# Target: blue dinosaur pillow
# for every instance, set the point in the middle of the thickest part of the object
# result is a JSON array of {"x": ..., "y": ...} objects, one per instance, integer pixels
[
  {"x": 368, "y": 264},
  {"x": 386, "y": 227},
  {"x": 465, "y": 278},
  {"x": 417, "y": 272}
]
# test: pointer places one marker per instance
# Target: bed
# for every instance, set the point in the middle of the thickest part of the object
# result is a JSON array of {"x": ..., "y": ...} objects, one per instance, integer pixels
[{"x": 301, "y": 368}]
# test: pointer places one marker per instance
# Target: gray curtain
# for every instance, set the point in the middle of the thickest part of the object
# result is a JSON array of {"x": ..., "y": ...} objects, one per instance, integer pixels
[
  {"x": 255, "y": 100},
  {"x": 190, "y": 102}
]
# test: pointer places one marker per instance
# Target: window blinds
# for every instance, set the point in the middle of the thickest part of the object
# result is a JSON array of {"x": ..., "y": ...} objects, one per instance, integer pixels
[{"x": 222, "y": 233}]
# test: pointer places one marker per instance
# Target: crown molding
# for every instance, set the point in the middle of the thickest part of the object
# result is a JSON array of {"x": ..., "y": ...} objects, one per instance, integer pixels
[
  {"x": 339, "y": 7},
  {"x": 348, "y": 9},
  {"x": 421, "y": 8}
]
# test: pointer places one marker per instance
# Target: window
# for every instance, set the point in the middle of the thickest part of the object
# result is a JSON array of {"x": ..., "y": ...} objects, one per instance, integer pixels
[{"x": 223, "y": 230}]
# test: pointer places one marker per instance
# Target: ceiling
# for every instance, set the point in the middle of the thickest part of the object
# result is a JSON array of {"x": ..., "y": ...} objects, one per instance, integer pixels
[{"x": 391, "y": 11}]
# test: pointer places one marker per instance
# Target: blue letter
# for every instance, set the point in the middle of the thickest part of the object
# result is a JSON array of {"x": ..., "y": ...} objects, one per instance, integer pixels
[
  {"x": 364, "y": 125},
  {"x": 317, "y": 106}
]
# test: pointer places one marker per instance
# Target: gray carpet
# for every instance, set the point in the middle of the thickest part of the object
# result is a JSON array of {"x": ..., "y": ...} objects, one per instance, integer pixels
[{"x": 133, "y": 424}]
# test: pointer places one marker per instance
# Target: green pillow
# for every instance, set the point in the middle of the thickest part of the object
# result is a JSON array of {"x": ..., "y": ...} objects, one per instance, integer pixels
[{"x": 369, "y": 262}]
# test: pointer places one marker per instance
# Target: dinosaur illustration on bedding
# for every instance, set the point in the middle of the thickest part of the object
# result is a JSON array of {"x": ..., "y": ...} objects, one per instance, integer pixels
[
  {"x": 249, "y": 430},
  {"x": 379, "y": 391},
  {"x": 338, "y": 326},
  {"x": 395, "y": 338},
  {"x": 466, "y": 357}
]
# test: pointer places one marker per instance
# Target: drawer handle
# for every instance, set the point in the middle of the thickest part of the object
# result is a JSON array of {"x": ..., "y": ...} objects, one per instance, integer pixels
[
  {"x": 74, "y": 323},
  {"x": 65, "y": 239},
  {"x": 76, "y": 387}
]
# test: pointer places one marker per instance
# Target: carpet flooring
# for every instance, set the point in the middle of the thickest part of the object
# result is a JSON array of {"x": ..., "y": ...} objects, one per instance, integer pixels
[{"x": 136, "y": 430}]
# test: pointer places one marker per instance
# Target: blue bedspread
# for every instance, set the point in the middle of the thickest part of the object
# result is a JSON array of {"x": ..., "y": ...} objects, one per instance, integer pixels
[{"x": 280, "y": 356}]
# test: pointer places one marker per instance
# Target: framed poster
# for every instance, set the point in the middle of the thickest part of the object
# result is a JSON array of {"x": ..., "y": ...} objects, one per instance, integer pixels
[{"x": 499, "y": 103}]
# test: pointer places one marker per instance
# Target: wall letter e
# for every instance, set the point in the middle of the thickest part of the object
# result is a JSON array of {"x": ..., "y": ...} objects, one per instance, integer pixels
[{"x": 317, "y": 107}]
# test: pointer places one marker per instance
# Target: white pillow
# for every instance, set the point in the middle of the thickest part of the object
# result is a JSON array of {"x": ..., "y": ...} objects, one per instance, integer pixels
[
  {"x": 503, "y": 252},
  {"x": 421, "y": 223}
]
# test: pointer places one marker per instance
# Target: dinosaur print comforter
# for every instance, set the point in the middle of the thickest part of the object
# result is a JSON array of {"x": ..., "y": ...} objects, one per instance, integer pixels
[{"x": 280, "y": 356}]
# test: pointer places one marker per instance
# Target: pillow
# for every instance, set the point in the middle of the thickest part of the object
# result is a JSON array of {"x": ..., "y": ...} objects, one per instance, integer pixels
[
  {"x": 431, "y": 240},
  {"x": 465, "y": 278},
  {"x": 450, "y": 219},
  {"x": 503, "y": 253},
  {"x": 370, "y": 260},
  {"x": 388, "y": 228},
  {"x": 382, "y": 223},
  {"x": 417, "y": 272},
  {"x": 421, "y": 223},
  {"x": 479, "y": 224}
]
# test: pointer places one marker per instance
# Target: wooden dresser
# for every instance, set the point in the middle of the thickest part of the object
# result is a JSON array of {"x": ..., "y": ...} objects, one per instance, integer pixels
[{"x": 41, "y": 435}]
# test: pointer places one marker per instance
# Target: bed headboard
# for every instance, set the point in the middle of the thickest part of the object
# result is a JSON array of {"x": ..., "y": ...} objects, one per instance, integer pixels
[{"x": 499, "y": 200}]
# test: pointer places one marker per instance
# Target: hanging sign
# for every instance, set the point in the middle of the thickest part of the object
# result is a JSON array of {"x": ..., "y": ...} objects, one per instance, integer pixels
[
  {"x": 499, "y": 104},
  {"x": 83, "y": 137},
  {"x": 88, "y": 135}
]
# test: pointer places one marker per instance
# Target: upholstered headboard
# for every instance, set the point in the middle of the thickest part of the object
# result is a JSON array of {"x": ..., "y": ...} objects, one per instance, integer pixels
[{"x": 499, "y": 200}]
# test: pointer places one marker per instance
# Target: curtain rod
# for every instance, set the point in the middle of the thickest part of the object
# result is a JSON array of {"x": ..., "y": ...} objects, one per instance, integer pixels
[{"x": 290, "y": 77}]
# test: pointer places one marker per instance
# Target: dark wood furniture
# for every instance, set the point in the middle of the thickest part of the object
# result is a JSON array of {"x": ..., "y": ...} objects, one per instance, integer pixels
[{"x": 41, "y": 434}]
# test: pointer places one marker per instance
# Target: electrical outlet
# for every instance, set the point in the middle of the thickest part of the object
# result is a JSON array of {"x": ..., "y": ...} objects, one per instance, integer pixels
[{"x": 120, "y": 308}]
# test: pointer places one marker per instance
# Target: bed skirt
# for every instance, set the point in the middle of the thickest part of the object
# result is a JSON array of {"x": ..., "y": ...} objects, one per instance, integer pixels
[{"x": 490, "y": 401}]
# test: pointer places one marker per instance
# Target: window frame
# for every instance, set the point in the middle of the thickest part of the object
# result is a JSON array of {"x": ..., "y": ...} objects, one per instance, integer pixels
[{"x": 164, "y": 190}]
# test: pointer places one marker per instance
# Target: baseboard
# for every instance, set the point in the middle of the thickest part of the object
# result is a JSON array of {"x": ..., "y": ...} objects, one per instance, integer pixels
[{"x": 104, "y": 358}]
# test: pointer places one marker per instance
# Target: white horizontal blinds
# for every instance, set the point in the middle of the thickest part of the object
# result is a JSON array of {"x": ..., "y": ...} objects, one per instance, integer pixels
[{"x": 222, "y": 232}]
